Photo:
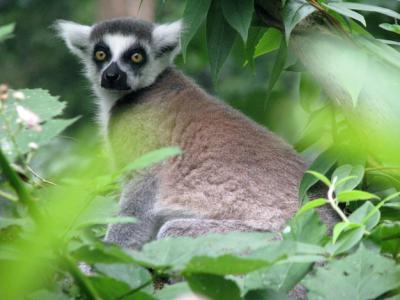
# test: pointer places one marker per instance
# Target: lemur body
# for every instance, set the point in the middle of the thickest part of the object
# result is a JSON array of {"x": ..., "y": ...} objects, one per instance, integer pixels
[{"x": 233, "y": 175}]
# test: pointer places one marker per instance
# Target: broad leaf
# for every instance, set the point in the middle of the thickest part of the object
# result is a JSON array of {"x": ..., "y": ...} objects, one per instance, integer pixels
[
  {"x": 269, "y": 42},
  {"x": 355, "y": 195},
  {"x": 391, "y": 27},
  {"x": 362, "y": 275},
  {"x": 6, "y": 31},
  {"x": 322, "y": 164},
  {"x": 346, "y": 12},
  {"x": 220, "y": 38},
  {"x": 293, "y": 13},
  {"x": 310, "y": 91},
  {"x": 277, "y": 68},
  {"x": 193, "y": 16},
  {"x": 343, "y": 183},
  {"x": 312, "y": 204},
  {"x": 346, "y": 241},
  {"x": 238, "y": 14},
  {"x": 213, "y": 286},
  {"x": 368, "y": 7}
]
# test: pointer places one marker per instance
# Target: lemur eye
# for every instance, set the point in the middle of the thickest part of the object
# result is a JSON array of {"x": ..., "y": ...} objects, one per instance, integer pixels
[
  {"x": 100, "y": 55},
  {"x": 137, "y": 58}
]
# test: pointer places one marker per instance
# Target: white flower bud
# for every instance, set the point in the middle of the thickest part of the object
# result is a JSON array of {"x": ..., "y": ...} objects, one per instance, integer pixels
[
  {"x": 19, "y": 95},
  {"x": 28, "y": 118},
  {"x": 33, "y": 146}
]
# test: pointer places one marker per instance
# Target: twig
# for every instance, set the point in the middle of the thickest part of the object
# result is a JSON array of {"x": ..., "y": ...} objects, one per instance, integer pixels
[{"x": 40, "y": 177}]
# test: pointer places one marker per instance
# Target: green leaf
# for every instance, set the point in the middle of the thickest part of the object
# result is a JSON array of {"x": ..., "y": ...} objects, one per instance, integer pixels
[
  {"x": 390, "y": 27},
  {"x": 348, "y": 177},
  {"x": 322, "y": 164},
  {"x": 346, "y": 241},
  {"x": 134, "y": 276},
  {"x": 152, "y": 158},
  {"x": 193, "y": 16},
  {"x": 355, "y": 195},
  {"x": 368, "y": 7},
  {"x": 340, "y": 227},
  {"x": 223, "y": 265},
  {"x": 6, "y": 222},
  {"x": 177, "y": 252},
  {"x": 305, "y": 228},
  {"x": 387, "y": 236},
  {"x": 238, "y": 14},
  {"x": 47, "y": 295},
  {"x": 293, "y": 13},
  {"x": 220, "y": 38},
  {"x": 213, "y": 286},
  {"x": 312, "y": 204},
  {"x": 310, "y": 91},
  {"x": 277, "y": 68},
  {"x": 269, "y": 42},
  {"x": 101, "y": 253},
  {"x": 42, "y": 103},
  {"x": 362, "y": 275},
  {"x": 255, "y": 34},
  {"x": 346, "y": 12},
  {"x": 266, "y": 294},
  {"x": 172, "y": 292},
  {"x": 366, "y": 214},
  {"x": 6, "y": 31},
  {"x": 320, "y": 177}
]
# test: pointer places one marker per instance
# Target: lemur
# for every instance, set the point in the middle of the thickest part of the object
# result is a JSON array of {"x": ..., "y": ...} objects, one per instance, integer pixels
[{"x": 233, "y": 175}]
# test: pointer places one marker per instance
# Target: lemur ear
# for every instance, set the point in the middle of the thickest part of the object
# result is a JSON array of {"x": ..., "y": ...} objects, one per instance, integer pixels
[
  {"x": 166, "y": 39},
  {"x": 76, "y": 36}
]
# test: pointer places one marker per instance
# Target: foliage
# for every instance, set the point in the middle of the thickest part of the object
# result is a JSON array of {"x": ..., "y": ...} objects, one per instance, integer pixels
[{"x": 60, "y": 222}]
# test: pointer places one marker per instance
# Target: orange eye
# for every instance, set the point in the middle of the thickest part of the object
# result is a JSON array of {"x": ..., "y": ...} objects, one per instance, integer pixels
[
  {"x": 137, "y": 58},
  {"x": 100, "y": 55}
]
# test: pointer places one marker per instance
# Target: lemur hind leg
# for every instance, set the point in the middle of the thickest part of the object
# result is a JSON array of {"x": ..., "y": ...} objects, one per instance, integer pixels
[
  {"x": 196, "y": 227},
  {"x": 137, "y": 199}
]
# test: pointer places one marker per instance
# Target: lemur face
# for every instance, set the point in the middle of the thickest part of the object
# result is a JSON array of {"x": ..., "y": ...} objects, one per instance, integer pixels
[{"x": 122, "y": 54}]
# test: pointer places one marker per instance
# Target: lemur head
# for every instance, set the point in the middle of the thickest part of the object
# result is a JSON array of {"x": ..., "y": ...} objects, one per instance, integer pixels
[{"x": 122, "y": 55}]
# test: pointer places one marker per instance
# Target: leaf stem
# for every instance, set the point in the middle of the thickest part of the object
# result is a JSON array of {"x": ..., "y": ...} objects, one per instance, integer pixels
[
  {"x": 18, "y": 186},
  {"x": 333, "y": 201},
  {"x": 8, "y": 196}
]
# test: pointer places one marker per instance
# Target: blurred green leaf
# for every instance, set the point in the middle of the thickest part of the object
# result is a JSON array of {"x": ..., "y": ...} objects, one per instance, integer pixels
[
  {"x": 310, "y": 91},
  {"x": 266, "y": 294},
  {"x": 320, "y": 177},
  {"x": 312, "y": 204},
  {"x": 152, "y": 158},
  {"x": 369, "y": 8},
  {"x": 193, "y": 16},
  {"x": 213, "y": 286},
  {"x": 173, "y": 291},
  {"x": 346, "y": 12},
  {"x": 390, "y": 27},
  {"x": 134, "y": 276},
  {"x": 238, "y": 14},
  {"x": 223, "y": 265},
  {"x": 387, "y": 236},
  {"x": 220, "y": 38},
  {"x": 362, "y": 275},
  {"x": 293, "y": 13},
  {"x": 6, "y": 31},
  {"x": 367, "y": 215}
]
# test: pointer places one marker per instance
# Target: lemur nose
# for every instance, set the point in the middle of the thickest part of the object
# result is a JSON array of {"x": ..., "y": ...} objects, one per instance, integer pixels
[{"x": 112, "y": 76}]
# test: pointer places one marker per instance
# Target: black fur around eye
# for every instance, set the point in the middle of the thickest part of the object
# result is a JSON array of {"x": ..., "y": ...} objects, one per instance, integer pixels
[
  {"x": 101, "y": 53},
  {"x": 136, "y": 56}
]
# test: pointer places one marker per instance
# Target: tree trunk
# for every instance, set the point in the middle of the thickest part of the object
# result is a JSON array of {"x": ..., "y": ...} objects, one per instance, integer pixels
[{"x": 142, "y": 9}]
